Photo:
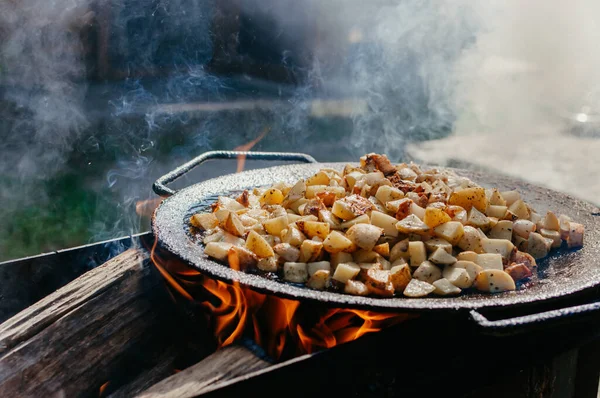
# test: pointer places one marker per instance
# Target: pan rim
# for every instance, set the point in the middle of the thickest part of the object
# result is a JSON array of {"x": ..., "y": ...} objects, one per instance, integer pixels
[{"x": 167, "y": 228}]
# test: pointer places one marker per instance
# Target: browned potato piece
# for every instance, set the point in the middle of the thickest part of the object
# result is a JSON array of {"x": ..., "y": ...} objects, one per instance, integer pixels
[
  {"x": 241, "y": 259},
  {"x": 204, "y": 221},
  {"x": 337, "y": 242},
  {"x": 356, "y": 288},
  {"x": 268, "y": 264},
  {"x": 400, "y": 277},
  {"x": 494, "y": 281},
  {"x": 434, "y": 217},
  {"x": 318, "y": 280},
  {"x": 233, "y": 225},
  {"x": 417, "y": 288},
  {"x": 468, "y": 198},
  {"x": 287, "y": 252},
  {"x": 518, "y": 271},
  {"x": 379, "y": 282},
  {"x": 575, "y": 238},
  {"x": 313, "y": 228},
  {"x": 364, "y": 236},
  {"x": 259, "y": 245},
  {"x": 310, "y": 250},
  {"x": 382, "y": 249}
]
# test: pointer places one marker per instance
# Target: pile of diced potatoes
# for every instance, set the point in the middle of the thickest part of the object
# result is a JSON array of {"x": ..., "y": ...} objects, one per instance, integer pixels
[{"x": 385, "y": 230}]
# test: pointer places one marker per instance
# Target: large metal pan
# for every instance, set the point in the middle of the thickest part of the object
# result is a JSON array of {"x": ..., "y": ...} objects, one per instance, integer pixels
[{"x": 561, "y": 275}]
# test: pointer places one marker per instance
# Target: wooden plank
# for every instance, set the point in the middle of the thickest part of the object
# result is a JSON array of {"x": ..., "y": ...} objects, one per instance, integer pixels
[
  {"x": 225, "y": 364},
  {"x": 69, "y": 343}
]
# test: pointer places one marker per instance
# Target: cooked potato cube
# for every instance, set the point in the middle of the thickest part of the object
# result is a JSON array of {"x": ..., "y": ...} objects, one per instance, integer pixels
[
  {"x": 538, "y": 246},
  {"x": 321, "y": 178},
  {"x": 412, "y": 224},
  {"x": 223, "y": 202},
  {"x": 575, "y": 238},
  {"x": 318, "y": 280},
  {"x": 434, "y": 243},
  {"x": 502, "y": 246},
  {"x": 351, "y": 206},
  {"x": 365, "y": 256},
  {"x": 351, "y": 179},
  {"x": 417, "y": 288},
  {"x": 496, "y": 199},
  {"x": 458, "y": 214},
  {"x": 385, "y": 222},
  {"x": 553, "y": 235},
  {"x": 519, "y": 209},
  {"x": 362, "y": 219},
  {"x": 496, "y": 211},
  {"x": 298, "y": 191},
  {"x": 310, "y": 250},
  {"x": 470, "y": 266},
  {"x": 511, "y": 197},
  {"x": 316, "y": 266},
  {"x": 400, "y": 277},
  {"x": 274, "y": 226},
  {"x": 394, "y": 205},
  {"x": 443, "y": 287},
  {"x": 298, "y": 206},
  {"x": 345, "y": 272},
  {"x": 327, "y": 217},
  {"x": 364, "y": 236},
  {"x": 417, "y": 253},
  {"x": 518, "y": 271},
  {"x": 502, "y": 230},
  {"x": 468, "y": 198},
  {"x": 551, "y": 222},
  {"x": 257, "y": 244},
  {"x": 452, "y": 231},
  {"x": 356, "y": 288},
  {"x": 241, "y": 259},
  {"x": 434, "y": 217},
  {"x": 494, "y": 281},
  {"x": 295, "y": 272},
  {"x": 399, "y": 250},
  {"x": 287, "y": 252},
  {"x": 205, "y": 221},
  {"x": 337, "y": 242},
  {"x": 386, "y": 193},
  {"x": 459, "y": 277},
  {"x": 467, "y": 256},
  {"x": 267, "y": 264},
  {"x": 222, "y": 215},
  {"x": 217, "y": 250},
  {"x": 417, "y": 210},
  {"x": 441, "y": 256},
  {"x": 477, "y": 219},
  {"x": 340, "y": 257},
  {"x": 524, "y": 258},
  {"x": 523, "y": 228},
  {"x": 382, "y": 249},
  {"x": 379, "y": 282},
  {"x": 272, "y": 196},
  {"x": 471, "y": 240},
  {"x": 293, "y": 236},
  {"x": 490, "y": 261},
  {"x": 313, "y": 228},
  {"x": 427, "y": 272}
]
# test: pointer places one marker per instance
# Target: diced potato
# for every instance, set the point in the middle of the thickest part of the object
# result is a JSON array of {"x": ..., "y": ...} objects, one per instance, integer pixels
[
  {"x": 519, "y": 209},
  {"x": 441, "y": 256},
  {"x": 385, "y": 222},
  {"x": 417, "y": 288},
  {"x": 352, "y": 177},
  {"x": 468, "y": 198},
  {"x": 364, "y": 236},
  {"x": 316, "y": 266},
  {"x": 310, "y": 250},
  {"x": 459, "y": 277},
  {"x": 287, "y": 252},
  {"x": 340, "y": 257},
  {"x": 458, "y": 214},
  {"x": 337, "y": 242},
  {"x": 248, "y": 221},
  {"x": 470, "y": 266},
  {"x": 399, "y": 250},
  {"x": 217, "y": 250},
  {"x": 379, "y": 282},
  {"x": 451, "y": 231},
  {"x": 298, "y": 191},
  {"x": 223, "y": 202},
  {"x": 553, "y": 235},
  {"x": 511, "y": 197},
  {"x": 293, "y": 236},
  {"x": 523, "y": 228},
  {"x": 241, "y": 259},
  {"x": 502, "y": 246},
  {"x": 382, "y": 249},
  {"x": 524, "y": 258},
  {"x": 351, "y": 206},
  {"x": 496, "y": 211},
  {"x": 365, "y": 256},
  {"x": 356, "y": 288},
  {"x": 257, "y": 244},
  {"x": 272, "y": 196},
  {"x": 575, "y": 238},
  {"x": 502, "y": 230},
  {"x": 490, "y": 261},
  {"x": 400, "y": 277},
  {"x": 443, "y": 287},
  {"x": 394, "y": 205},
  {"x": 313, "y": 228},
  {"x": 427, "y": 272},
  {"x": 362, "y": 219},
  {"x": 292, "y": 217},
  {"x": 477, "y": 219},
  {"x": 412, "y": 224},
  {"x": 417, "y": 253},
  {"x": 471, "y": 240},
  {"x": 434, "y": 243},
  {"x": 520, "y": 243},
  {"x": 518, "y": 271},
  {"x": 205, "y": 221},
  {"x": 274, "y": 226},
  {"x": 327, "y": 217},
  {"x": 496, "y": 198},
  {"x": 538, "y": 246},
  {"x": 345, "y": 271},
  {"x": 298, "y": 206},
  {"x": 434, "y": 217},
  {"x": 493, "y": 281},
  {"x": 386, "y": 193},
  {"x": 551, "y": 222},
  {"x": 321, "y": 178},
  {"x": 417, "y": 210},
  {"x": 267, "y": 264},
  {"x": 295, "y": 272},
  {"x": 467, "y": 256},
  {"x": 222, "y": 215},
  {"x": 537, "y": 220}
]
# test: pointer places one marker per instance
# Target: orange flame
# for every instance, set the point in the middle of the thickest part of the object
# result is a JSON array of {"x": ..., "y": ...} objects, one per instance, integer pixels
[
  {"x": 103, "y": 389},
  {"x": 241, "y": 159},
  {"x": 282, "y": 327}
]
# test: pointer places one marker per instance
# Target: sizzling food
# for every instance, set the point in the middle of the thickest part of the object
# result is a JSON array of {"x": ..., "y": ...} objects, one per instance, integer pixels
[{"x": 385, "y": 230}]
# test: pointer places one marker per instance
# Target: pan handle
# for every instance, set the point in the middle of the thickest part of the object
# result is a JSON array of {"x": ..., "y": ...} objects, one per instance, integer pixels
[
  {"x": 160, "y": 186},
  {"x": 516, "y": 325}
]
